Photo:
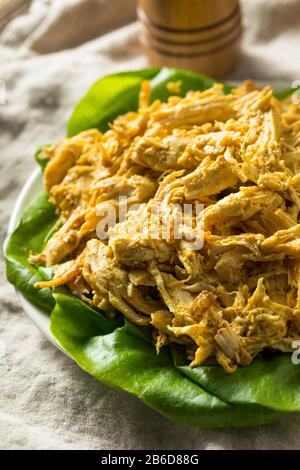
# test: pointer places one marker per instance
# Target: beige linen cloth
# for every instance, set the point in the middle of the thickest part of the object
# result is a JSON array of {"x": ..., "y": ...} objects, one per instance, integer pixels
[{"x": 48, "y": 59}]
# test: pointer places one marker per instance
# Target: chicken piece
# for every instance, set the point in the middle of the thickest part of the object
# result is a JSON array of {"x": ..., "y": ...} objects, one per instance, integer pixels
[
  {"x": 201, "y": 303},
  {"x": 262, "y": 154},
  {"x": 240, "y": 206},
  {"x": 159, "y": 154},
  {"x": 177, "y": 300},
  {"x": 196, "y": 108},
  {"x": 133, "y": 244},
  {"x": 284, "y": 241},
  {"x": 80, "y": 288},
  {"x": 74, "y": 190},
  {"x": 144, "y": 95},
  {"x": 114, "y": 197},
  {"x": 225, "y": 299},
  {"x": 254, "y": 101},
  {"x": 294, "y": 281},
  {"x": 65, "y": 273},
  {"x": 62, "y": 243},
  {"x": 275, "y": 181},
  {"x": 181, "y": 148},
  {"x": 63, "y": 155},
  {"x": 211, "y": 144},
  {"x": 217, "y": 244},
  {"x": 109, "y": 282},
  {"x": 203, "y": 332},
  {"x": 192, "y": 261},
  {"x": 211, "y": 177},
  {"x": 263, "y": 308},
  {"x": 202, "y": 336},
  {"x": 58, "y": 167},
  {"x": 231, "y": 253},
  {"x": 267, "y": 222},
  {"x": 137, "y": 188},
  {"x": 140, "y": 299},
  {"x": 137, "y": 252},
  {"x": 232, "y": 351},
  {"x": 161, "y": 319},
  {"x": 139, "y": 277},
  {"x": 229, "y": 266}
]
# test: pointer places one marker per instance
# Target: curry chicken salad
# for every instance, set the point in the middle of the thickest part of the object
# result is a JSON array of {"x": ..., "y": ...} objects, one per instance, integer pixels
[{"x": 236, "y": 154}]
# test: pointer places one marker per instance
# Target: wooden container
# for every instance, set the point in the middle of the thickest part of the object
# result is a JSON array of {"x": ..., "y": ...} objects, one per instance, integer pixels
[{"x": 201, "y": 35}]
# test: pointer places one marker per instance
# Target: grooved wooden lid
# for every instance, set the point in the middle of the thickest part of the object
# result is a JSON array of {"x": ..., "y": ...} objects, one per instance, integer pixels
[
  {"x": 202, "y": 35},
  {"x": 188, "y": 15}
]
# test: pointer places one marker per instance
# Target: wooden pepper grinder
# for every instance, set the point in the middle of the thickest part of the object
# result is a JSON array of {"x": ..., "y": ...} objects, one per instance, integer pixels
[{"x": 200, "y": 35}]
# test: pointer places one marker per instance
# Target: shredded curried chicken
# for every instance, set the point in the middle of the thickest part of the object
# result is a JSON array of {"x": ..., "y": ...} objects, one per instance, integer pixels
[{"x": 238, "y": 155}]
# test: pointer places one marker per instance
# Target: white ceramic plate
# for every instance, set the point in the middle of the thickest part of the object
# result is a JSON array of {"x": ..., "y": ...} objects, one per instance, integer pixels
[{"x": 31, "y": 189}]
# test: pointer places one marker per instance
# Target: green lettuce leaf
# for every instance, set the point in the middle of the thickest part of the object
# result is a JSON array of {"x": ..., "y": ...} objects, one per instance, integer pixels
[
  {"x": 106, "y": 99},
  {"x": 41, "y": 158},
  {"x": 122, "y": 355},
  {"x": 272, "y": 382},
  {"x": 117, "y": 94}
]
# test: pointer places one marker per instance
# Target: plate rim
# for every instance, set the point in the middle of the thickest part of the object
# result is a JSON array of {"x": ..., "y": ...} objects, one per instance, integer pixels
[{"x": 37, "y": 315}]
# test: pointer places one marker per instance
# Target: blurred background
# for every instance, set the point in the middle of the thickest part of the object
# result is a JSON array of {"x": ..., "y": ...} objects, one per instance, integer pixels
[
  {"x": 51, "y": 52},
  {"x": 46, "y": 26}
]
